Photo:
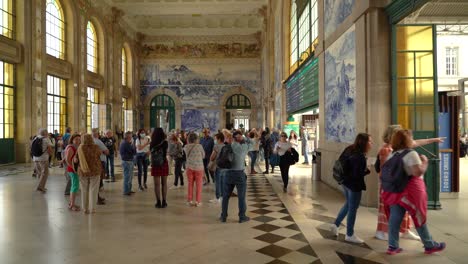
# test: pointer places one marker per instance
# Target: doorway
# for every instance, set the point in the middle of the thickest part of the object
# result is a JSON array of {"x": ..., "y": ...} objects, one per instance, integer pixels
[{"x": 162, "y": 113}]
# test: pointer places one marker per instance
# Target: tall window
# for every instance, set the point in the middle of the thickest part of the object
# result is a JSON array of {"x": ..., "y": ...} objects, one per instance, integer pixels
[
  {"x": 451, "y": 61},
  {"x": 124, "y": 110},
  {"x": 91, "y": 47},
  {"x": 6, "y": 100},
  {"x": 56, "y": 104},
  {"x": 55, "y": 29},
  {"x": 304, "y": 30},
  {"x": 92, "y": 109},
  {"x": 6, "y": 18},
  {"x": 124, "y": 67}
]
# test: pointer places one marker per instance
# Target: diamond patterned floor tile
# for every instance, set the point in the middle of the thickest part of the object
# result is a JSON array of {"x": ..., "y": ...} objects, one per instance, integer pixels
[
  {"x": 270, "y": 238},
  {"x": 267, "y": 227},
  {"x": 274, "y": 251}
]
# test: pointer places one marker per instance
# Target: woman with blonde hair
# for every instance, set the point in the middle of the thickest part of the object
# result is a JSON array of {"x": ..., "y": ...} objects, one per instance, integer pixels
[
  {"x": 384, "y": 152},
  {"x": 89, "y": 170},
  {"x": 412, "y": 198}
]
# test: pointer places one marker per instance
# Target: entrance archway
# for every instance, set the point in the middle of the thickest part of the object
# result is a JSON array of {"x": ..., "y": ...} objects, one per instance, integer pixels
[
  {"x": 238, "y": 112},
  {"x": 162, "y": 112}
]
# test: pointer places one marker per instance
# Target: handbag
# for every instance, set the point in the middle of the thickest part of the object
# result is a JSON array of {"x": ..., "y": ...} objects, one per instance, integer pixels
[
  {"x": 212, "y": 165},
  {"x": 274, "y": 160}
]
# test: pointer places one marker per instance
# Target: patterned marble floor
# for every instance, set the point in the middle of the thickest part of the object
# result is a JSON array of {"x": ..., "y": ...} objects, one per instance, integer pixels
[{"x": 284, "y": 228}]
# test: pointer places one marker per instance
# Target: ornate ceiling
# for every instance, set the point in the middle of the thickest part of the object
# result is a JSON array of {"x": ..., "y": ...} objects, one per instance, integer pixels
[{"x": 192, "y": 17}]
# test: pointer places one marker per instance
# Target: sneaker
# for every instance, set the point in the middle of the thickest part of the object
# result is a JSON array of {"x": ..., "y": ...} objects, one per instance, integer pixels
[
  {"x": 220, "y": 200},
  {"x": 140, "y": 188},
  {"x": 144, "y": 185},
  {"x": 173, "y": 187},
  {"x": 189, "y": 203},
  {"x": 436, "y": 248},
  {"x": 334, "y": 229},
  {"x": 354, "y": 239},
  {"x": 381, "y": 235},
  {"x": 244, "y": 219},
  {"x": 393, "y": 250},
  {"x": 410, "y": 235},
  {"x": 222, "y": 219},
  {"x": 285, "y": 190},
  {"x": 197, "y": 204}
]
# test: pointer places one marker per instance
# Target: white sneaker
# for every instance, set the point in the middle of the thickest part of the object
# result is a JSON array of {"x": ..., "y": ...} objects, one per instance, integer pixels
[
  {"x": 214, "y": 200},
  {"x": 354, "y": 239},
  {"x": 220, "y": 200},
  {"x": 173, "y": 187},
  {"x": 381, "y": 235},
  {"x": 197, "y": 204},
  {"x": 410, "y": 235},
  {"x": 189, "y": 204},
  {"x": 334, "y": 229}
]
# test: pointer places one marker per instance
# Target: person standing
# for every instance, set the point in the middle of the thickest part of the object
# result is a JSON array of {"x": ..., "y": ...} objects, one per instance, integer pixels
[
  {"x": 283, "y": 149},
  {"x": 235, "y": 176},
  {"x": 177, "y": 156},
  {"x": 66, "y": 139},
  {"x": 127, "y": 153},
  {"x": 41, "y": 150},
  {"x": 305, "y": 145},
  {"x": 89, "y": 170},
  {"x": 142, "y": 144},
  {"x": 60, "y": 150},
  {"x": 111, "y": 143},
  {"x": 275, "y": 137},
  {"x": 71, "y": 162},
  {"x": 195, "y": 168},
  {"x": 354, "y": 162},
  {"x": 103, "y": 158},
  {"x": 219, "y": 171},
  {"x": 51, "y": 138},
  {"x": 208, "y": 143},
  {"x": 159, "y": 145},
  {"x": 254, "y": 152},
  {"x": 265, "y": 142},
  {"x": 413, "y": 198}
]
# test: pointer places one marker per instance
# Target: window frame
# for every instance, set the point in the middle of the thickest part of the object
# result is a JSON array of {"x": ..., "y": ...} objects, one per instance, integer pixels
[
  {"x": 59, "y": 98},
  {"x": 92, "y": 98},
  {"x": 7, "y": 107},
  {"x": 124, "y": 62},
  {"x": 8, "y": 11},
  {"x": 451, "y": 61},
  {"x": 56, "y": 23},
  {"x": 92, "y": 44}
]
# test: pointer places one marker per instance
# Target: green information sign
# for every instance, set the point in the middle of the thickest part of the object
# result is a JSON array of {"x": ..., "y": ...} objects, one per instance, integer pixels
[{"x": 302, "y": 87}]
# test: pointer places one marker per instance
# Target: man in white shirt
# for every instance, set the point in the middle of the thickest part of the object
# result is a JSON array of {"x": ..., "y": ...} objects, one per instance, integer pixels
[{"x": 41, "y": 162}]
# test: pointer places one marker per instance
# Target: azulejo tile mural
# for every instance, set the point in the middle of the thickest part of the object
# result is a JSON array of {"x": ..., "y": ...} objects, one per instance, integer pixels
[
  {"x": 336, "y": 11},
  {"x": 340, "y": 89},
  {"x": 197, "y": 119}
]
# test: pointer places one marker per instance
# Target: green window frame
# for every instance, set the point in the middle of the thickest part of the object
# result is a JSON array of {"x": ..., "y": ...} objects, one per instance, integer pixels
[
  {"x": 238, "y": 101},
  {"x": 7, "y": 100}
]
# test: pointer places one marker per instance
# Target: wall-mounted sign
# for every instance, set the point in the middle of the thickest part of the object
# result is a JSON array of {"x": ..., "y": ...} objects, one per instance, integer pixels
[
  {"x": 445, "y": 172},
  {"x": 302, "y": 87}
]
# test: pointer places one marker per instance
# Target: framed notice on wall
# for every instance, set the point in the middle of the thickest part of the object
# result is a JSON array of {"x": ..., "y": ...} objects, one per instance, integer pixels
[{"x": 302, "y": 87}]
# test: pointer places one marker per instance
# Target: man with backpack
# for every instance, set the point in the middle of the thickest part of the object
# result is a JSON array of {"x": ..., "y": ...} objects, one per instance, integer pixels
[
  {"x": 234, "y": 174},
  {"x": 40, "y": 151}
]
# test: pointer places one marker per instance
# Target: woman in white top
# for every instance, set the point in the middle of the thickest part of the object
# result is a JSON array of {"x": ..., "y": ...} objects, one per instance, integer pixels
[
  {"x": 142, "y": 144},
  {"x": 195, "y": 168},
  {"x": 293, "y": 139},
  {"x": 254, "y": 152},
  {"x": 282, "y": 148}
]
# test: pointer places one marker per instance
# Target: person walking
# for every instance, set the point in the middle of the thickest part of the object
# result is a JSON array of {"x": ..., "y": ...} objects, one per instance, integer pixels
[
  {"x": 254, "y": 152},
  {"x": 177, "y": 155},
  {"x": 71, "y": 162},
  {"x": 111, "y": 143},
  {"x": 127, "y": 153},
  {"x": 305, "y": 144},
  {"x": 208, "y": 143},
  {"x": 89, "y": 170},
  {"x": 142, "y": 144},
  {"x": 413, "y": 199},
  {"x": 158, "y": 146},
  {"x": 236, "y": 177},
  {"x": 195, "y": 168},
  {"x": 41, "y": 150},
  {"x": 355, "y": 164},
  {"x": 283, "y": 149},
  {"x": 103, "y": 158},
  {"x": 274, "y": 137}
]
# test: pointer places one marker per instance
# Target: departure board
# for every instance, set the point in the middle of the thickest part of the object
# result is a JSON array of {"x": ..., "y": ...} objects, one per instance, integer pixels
[{"x": 302, "y": 87}]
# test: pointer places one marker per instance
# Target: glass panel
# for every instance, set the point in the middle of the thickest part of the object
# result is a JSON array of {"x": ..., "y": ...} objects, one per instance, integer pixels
[
  {"x": 406, "y": 116},
  {"x": 425, "y": 118},
  {"x": 405, "y": 64},
  {"x": 424, "y": 64},
  {"x": 414, "y": 38},
  {"x": 55, "y": 29},
  {"x": 8, "y": 74},
  {"x": 424, "y": 91}
]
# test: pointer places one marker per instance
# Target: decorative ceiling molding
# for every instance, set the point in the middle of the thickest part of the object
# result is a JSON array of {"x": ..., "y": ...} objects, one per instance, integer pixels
[
  {"x": 201, "y": 38},
  {"x": 205, "y": 61}
]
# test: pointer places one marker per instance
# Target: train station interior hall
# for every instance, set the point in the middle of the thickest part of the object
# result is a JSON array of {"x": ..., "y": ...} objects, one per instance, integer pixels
[{"x": 118, "y": 119}]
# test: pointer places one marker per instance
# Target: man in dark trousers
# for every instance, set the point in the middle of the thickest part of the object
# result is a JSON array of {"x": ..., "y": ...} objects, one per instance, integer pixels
[{"x": 208, "y": 143}]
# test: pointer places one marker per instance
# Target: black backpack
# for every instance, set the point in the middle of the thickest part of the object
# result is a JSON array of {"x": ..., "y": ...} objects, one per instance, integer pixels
[
  {"x": 340, "y": 168},
  {"x": 36, "y": 147},
  {"x": 157, "y": 156},
  {"x": 225, "y": 158},
  {"x": 394, "y": 177}
]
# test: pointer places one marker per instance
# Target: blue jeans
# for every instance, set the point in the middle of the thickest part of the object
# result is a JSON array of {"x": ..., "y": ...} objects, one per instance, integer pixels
[
  {"x": 349, "y": 209},
  {"x": 219, "y": 179},
  {"x": 178, "y": 172},
  {"x": 238, "y": 179},
  {"x": 253, "y": 158},
  {"x": 110, "y": 164},
  {"x": 396, "y": 216},
  {"x": 142, "y": 167},
  {"x": 304, "y": 152},
  {"x": 127, "y": 176}
]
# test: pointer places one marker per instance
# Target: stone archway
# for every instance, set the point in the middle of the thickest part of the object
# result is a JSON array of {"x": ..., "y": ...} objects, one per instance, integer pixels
[{"x": 153, "y": 94}]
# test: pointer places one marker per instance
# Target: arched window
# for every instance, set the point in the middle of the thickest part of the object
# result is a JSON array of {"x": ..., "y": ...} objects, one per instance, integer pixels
[
  {"x": 304, "y": 30},
  {"x": 55, "y": 29},
  {"x": 91, "y": 47},
  {"x": 124, "y": 67},
  {"x": 238, "y": 101},
  {"x": 6, "y": 18}
]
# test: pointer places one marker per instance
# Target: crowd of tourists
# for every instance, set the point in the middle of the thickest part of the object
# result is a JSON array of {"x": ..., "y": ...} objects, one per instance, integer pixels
[{"x": 221, "y": 159}]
